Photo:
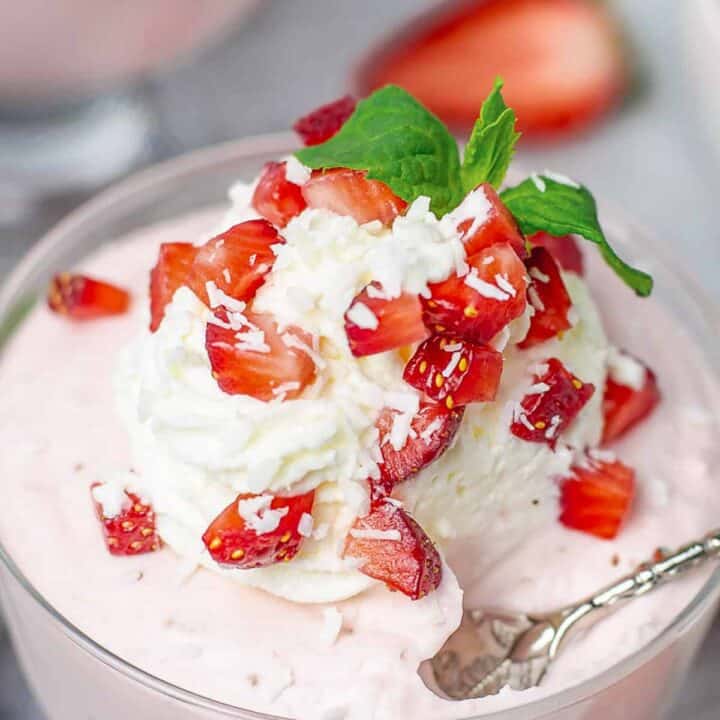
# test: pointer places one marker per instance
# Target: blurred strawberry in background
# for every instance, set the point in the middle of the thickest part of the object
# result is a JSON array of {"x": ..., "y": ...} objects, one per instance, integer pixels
[{"x": 562, "y": 62}]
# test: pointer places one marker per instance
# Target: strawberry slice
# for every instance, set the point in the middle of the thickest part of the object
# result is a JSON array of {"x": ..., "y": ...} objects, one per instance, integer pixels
[
  {"x": 478, "y": 305},
  {"x": 557, "y": 399},
  {"x": 431, "y": 431},
  {"x": 454, "y": 372},
  {"x": 597, "y": 497},
  {"x": 548, "y": 296},
  {"x": 374, "y": 324},
  {"x": 237, "y": 260},
  {"x": 276, "y": 198},
  {"x": 80, "y": 297},
  {"x": 562, "y": 61},
  {"x": 250, "y": 356},
  {"x": 170, "y": 272},
  {"x": 321, "y": 124},
  {"x": 393, "y": 548},
  {"x": 564, "y": 249},
  {"x": 258, "y": 530},
  {"x": 624, "y": 407},
  {"x": 349, "y": 192},
  {"x": 133, "y": 531},
  {"x": 499, "y": 225}
]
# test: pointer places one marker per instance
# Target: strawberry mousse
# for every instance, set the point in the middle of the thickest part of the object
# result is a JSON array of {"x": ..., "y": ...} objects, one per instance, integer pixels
[{"x": 381, "y": 385}]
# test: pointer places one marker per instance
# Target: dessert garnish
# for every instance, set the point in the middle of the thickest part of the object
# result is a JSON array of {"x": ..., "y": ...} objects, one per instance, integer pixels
[{"x": 79, "y": 297}]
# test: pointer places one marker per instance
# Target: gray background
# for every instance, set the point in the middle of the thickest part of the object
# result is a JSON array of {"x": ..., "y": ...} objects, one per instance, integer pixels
[{"x": 653, "y": 159}]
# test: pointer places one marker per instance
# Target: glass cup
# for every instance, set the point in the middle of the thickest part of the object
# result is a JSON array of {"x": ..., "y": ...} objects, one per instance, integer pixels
[{"x": 75, "y": 677}]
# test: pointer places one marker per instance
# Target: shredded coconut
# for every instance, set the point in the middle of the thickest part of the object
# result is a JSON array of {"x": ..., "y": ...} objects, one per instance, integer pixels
[
  {"x": 538, "y": 182},
  {"x": 393, "y": 535},
  {"x": 535, "y": 300},
  {"x": 539, "y": 275},
  {"x": 363, "y": 316},
  {"x": 562, "y": 179},
  {"x": 504, "y": 284},
  {"x": 305, "y": 526},
  {"x": 217, "y": 298},
  {"x": 450, "y": 367},
  {"x": 485, "y": 289},
  {"x": 295, "y": 171},
  {"x": 258, "y": 515}
]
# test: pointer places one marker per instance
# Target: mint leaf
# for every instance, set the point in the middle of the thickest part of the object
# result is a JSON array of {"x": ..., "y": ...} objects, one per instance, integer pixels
[
  {"x": 544, "y": 204},
  {"x": 492, "y": 143},
  {"x": 401, "y": 143}
]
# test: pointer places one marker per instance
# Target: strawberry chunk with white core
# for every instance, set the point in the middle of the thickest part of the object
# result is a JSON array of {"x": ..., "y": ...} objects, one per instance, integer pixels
[
  {"x": 132, "y": 531},
  {"x": 394, "y": 549},
  {"x": 596, "y": 498},
  {"x": 276, "y": 198},
  {"x": 549, "y": 298},
  {"x": 489, "y": 222},
  {"x": 562, "y": 62},
  {"x": 375, "y": 324},
  {"x": 324, "y": 122},
  {"x": 259, "y": 530},
  {"x": 234, "y": 262},
  {"x": 79, "y": 297},
  {"x": 478, "y": 305},
  {"x": 555, "y": 400},
  {"x": 249, "y": 355},
  {"x": 349, "y": 192},
  {"x": 408, "y": 445},
  {"x": 170, "y": 272},
  {"x": 564, "y": 249},
  {"x": 626, "y": 405},
  {"x": 455, "y": 372}
]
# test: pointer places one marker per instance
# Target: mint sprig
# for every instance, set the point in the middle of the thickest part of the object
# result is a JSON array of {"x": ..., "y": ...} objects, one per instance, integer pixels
[
  {"x": 398, "y": 141},
  {"x": 492, "y": 143},
  {"x": 542, "y": 204}
]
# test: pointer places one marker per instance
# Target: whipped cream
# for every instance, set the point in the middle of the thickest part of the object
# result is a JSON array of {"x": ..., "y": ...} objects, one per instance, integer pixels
[{"x": 196, "y": 448}]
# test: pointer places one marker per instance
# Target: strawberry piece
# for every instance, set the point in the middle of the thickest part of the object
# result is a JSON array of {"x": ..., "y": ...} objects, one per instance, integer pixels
[
  {"x": 269, "y": 533},
  {"x": 133, "y": 531},
  {"x": 597, "y": 497},
  {"x": 433, "y": 429},
  {"x": 80, "y": 297},
  {"x": 374, "y": 324},
  {"x": 349, "y": 192},
  {"x": 395, "y": 549},
  {"x": 548, "y": 296},
  {"x": 562, "y": 62},
  {"x": 237, "y": 260},
  {"x": 170, "y": 272},
  {"x": 455, "y": 372},
  {"x": 564, "y": 249},
  {"x": 276, "y": 198},
  {"x": 545, "y": 414},
  {"x": 499, "y": 226},
  {"x": 624, "y": 407},
  {"x": 321, "y": 124},
  {"x": 249, "y": 356},
  {"x": 478, "y": 305}
]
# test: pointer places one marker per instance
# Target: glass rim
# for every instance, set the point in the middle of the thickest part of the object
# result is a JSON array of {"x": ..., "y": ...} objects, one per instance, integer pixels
[{"x": 205, "y": 160}]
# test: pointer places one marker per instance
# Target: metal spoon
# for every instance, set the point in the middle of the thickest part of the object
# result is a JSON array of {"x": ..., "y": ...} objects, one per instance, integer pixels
[{"x": 491, "y": 650}]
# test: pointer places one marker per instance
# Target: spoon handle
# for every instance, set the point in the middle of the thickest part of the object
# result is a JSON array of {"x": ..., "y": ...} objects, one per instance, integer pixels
[{"x": 663, "y": 566}]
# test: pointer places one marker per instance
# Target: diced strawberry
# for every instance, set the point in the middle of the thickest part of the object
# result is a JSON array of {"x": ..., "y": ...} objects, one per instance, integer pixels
[
  {"x": 597, "y": 497},
  {"x": 562, "y": 62},
  {"x": 544, "y": 414},
  {"x": 454, "y": 372},
  {"x": 271, "y": 535},
  {"x": 133, "y": 531},
  {"x": 432, "y": 431},
  {"x": 237, "y": 260},
  {"x": 499, "y": 227},
  {"x": 276, "y": 198},
  {"x": 393, "y": 548},
  {"x": 250, "y": 356},
  {"x": 349, "y": 192},
  {"x": 564, "y": 249},
  {"x": 170, "y": 272},
  {"x": 80, "y": 297},
  {"x": 624, "y": 407},
  {"x": 321, "y": 124},
  {"x": 374, "y": 324},
  {"x": 478, "y": 305},
  {"x": 548, "y": 296}
]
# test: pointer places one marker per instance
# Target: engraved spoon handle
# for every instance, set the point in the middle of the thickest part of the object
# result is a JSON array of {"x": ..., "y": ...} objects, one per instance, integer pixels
[{"x": 647, "y": 577}]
